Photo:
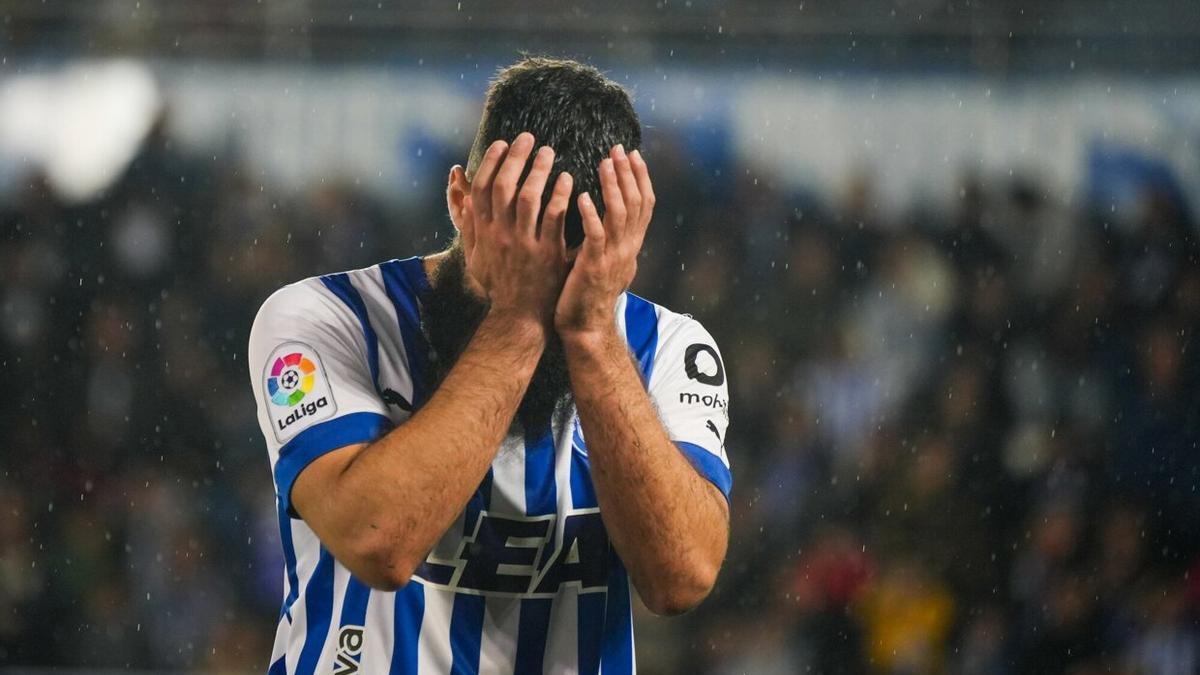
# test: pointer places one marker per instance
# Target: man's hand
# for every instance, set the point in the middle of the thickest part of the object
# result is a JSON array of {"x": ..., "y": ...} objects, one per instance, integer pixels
[
  {"x": 607, "y": 260},
  {"x": 674, "y": 557},
  {"x": 519, "y": 264}
]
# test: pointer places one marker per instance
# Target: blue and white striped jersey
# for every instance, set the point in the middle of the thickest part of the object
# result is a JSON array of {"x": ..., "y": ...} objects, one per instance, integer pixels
[{"x": 525, "y": 581}]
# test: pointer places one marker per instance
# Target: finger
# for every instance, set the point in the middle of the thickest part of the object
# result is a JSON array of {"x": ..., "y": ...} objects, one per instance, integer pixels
[
  {"x": 529, "y": 201},
  {"x": 629, "y": 189},
  {"x": 594, "y": 236},
  {"x": 614, "y": 205},
  {"x": 642, "y": 173},
  {"x": 481, "y": 186},
  {"x": 504, "y": 187},
  {"x": 554, "y": 218}
]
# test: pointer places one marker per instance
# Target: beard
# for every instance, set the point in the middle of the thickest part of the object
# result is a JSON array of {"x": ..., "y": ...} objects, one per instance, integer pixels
[{"x": 450, "y": 316}]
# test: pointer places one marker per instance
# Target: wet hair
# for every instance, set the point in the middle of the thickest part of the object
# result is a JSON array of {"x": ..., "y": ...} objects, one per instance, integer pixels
[{"x": 570, "y": 106}]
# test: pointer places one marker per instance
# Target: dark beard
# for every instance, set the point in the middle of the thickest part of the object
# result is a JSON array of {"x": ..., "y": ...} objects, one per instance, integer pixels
[{"x": 450, "y": 316}]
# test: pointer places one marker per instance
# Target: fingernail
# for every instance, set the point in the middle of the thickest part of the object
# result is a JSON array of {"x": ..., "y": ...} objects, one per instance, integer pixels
[
  {"x": 583, "y": 196},
  {"x": 620, "y": 149},
  {"x": 636, "y": 153}
]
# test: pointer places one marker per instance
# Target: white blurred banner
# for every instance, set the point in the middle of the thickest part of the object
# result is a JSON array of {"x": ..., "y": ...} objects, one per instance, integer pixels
[
  {"x": 389, "y": 129},
  {"x": 79, "y": 125}
]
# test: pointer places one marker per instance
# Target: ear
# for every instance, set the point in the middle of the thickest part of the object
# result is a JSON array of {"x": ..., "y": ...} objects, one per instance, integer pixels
[{"x": 457, "y": 190}]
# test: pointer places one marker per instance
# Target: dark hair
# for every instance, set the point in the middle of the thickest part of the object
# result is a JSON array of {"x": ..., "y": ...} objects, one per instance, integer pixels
[{"x": 570, "y": 106}]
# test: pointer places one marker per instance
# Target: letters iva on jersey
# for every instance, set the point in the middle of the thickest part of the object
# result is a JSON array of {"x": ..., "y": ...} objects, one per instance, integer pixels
[
  {"x": 506, "y": 555},
  {"x": 349, "y": 647}
]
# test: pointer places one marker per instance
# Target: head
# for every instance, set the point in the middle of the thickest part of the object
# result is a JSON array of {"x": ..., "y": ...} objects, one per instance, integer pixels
[
  {"x": 581, "y": 114},
  {"x": 567, "y": 105}
]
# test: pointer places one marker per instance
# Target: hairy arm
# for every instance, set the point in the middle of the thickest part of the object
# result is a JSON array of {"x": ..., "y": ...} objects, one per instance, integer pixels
[
  {"x": 668, "y": 523},
  {"x": 381, "y": 507}
]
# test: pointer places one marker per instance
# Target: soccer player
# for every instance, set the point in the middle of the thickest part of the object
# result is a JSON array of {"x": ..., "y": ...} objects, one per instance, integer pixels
[{"x": 475, "y": 452}]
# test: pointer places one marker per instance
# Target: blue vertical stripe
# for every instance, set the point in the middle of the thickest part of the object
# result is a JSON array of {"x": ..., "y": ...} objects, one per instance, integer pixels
[
  {"x": 318, "y": 609},
  {"x": 405, "y": 282},
  {"x": 641, "y": 332},
  {"x": 590, "y": 631},
  {"x": 583, "y": 493},
  {"x": 466, "y": 633},
  {"x": 466, "y": 618},
  {"x": 617, "y": 650},
  {"x": 541, "y": 498},
  {"x": 532, "y": 631},
  {"x": 414, "y": 273},
  {"x": 410, "y": 610},
  {"x": 279, "y": 667},
  {"x": 477, "y": 503},
  {"x": 339, "y": 285},
  {"x": 289, "y": 559},
  {"x": 354, "y": 606}
]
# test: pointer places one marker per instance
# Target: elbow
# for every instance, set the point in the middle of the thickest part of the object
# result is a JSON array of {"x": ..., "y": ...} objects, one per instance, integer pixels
[
  {"x": 680, "y": 591},
  {"x": 389, "y": 577},
  {"x": 381, "y": 566}
]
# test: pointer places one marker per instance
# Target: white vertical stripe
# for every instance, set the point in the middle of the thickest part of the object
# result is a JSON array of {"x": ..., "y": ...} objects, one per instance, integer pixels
[
  {"x": 620, "y": 311},
  {"x": 379, "y": 633},
  {"x": 308, "y": 552},
  {"x": 562, "y": 472},
  {"x": 562, "y": 639},
  {"x": 508, "y": 478},
  {"x": 498, "y": 647},
  {"x": 393, "y": 361},
  {"x": 341, "y": 576},
  {"x": 562, "y": 644},
  {"x": 284, "y": 627},
  {"x": 501, "y": 616},
  {"x": 433, "y": 650},
  {"x": 282, "y": 630},
  {"x": 298, "y": 631}
]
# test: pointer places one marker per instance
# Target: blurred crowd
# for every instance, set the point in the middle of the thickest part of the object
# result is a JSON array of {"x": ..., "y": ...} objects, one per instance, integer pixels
[{"x": 964, "y": 440}]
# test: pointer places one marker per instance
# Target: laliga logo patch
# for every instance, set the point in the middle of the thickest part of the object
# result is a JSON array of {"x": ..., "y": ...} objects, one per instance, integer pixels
[
  {"x": 291, "y": 378},
  {"x": 296, "y": 389}
]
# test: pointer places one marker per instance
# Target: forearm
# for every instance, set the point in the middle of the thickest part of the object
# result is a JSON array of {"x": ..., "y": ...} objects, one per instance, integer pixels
[
  {"x": 397, "y": 496},
  {"x": 667, "y": 522}
]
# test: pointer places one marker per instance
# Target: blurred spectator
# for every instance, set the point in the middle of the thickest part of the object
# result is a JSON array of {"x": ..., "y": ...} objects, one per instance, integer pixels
[
  {"x": 907, "y": 615},
  {"x": 963, "y": 441}
]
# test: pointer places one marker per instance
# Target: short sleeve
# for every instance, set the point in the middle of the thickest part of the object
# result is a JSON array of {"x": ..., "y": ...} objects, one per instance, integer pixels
[
  {"x": 688, "y": 384},
  {"x": 312, "y": 381}
]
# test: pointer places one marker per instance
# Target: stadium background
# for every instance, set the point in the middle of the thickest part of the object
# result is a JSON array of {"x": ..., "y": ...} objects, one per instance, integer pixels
[{"x": 949, "y": 250}]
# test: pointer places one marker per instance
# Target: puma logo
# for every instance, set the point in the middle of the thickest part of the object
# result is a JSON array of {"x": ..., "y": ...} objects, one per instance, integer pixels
[
  {"x": 713, "y": 428},
  {"x": 393, "y": 397}
]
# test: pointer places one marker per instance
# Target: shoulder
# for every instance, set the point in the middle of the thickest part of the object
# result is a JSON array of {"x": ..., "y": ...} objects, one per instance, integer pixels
[
  {"x": 325, "y": 307},
  {"x": 673, "y": 341},
  {"x": 335, "y": 297},
  {"x": 669, "y": 327},
  {"x": 303, "y": 303},
  {"x": 294, "y": 298}
]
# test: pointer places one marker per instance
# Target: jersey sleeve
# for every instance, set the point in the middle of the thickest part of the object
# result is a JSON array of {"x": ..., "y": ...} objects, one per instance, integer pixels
[
  {"x": 312, "y": 382},
  {"x": 688, "y": 385}
]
